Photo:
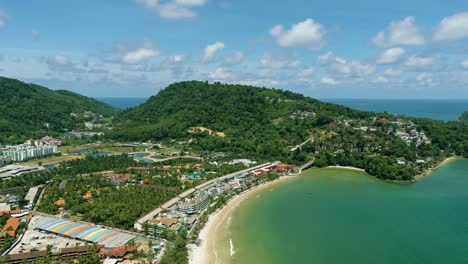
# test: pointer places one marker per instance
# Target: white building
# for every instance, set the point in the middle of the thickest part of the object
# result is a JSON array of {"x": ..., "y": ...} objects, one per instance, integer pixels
[{"x": 30, "y": 150}]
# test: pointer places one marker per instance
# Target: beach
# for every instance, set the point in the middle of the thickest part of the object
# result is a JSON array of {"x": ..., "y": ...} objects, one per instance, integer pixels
[
  {"x": 347, "y": 168},
  {"x": 430, "y": 170},
  {"x": 205, "y": 253}
]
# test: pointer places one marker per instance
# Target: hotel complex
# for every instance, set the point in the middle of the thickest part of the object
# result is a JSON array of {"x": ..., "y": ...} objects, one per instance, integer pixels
[{"x": 30, "y": 149}]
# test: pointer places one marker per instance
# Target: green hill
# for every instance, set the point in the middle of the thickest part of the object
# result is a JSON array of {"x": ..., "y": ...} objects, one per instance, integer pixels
[
  {"x": 253, "y": 120},
  {"x": 268, "y": 124},
  {"x": 26, "y": 108}
]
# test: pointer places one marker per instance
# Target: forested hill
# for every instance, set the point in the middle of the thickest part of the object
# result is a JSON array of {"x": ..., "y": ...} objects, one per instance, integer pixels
[
  {"x": 248, "y": 116},
  {"x": 25, "y": 108}
]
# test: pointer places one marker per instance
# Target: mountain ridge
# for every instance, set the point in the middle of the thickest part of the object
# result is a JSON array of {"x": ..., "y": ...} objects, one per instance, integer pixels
[{"x": 26, "y": 108}]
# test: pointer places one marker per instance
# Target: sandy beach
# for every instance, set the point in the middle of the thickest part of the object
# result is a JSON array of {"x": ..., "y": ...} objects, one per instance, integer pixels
[
  {"x": 429, "y": 171},
  {"x": 347, "y": 168},
  {"x": 205, "y": 253}
]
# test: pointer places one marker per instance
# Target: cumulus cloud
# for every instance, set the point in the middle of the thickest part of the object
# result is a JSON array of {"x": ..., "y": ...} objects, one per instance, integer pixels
[
  {"x": 211, "y": 50},
  {"x": 425, "y": 79},
  {"x": 3, "y": 18},
  {"x": 220, "y": 74},
  {"x": 452, "y": 28},
  {"x": 328, "y": 80},
  {"x": 305, "y": 73},
  {"x": 139, "y": 55},
  {"x": 329, "y": 57},
  {"x": 414, "y": 61},
  {"x": 465, "y": 64},
  {"x": 269, "y": 61},
  {"x": 62, "y": 63},
  {"x": 233, "y": 59},
  {"x": 392, "y": 72},
  {"x": 175, "y": 9},
  {"x": 391, "y": 55},
  {"x": 260, "y": 82},
  {"x": 354, "y": 68},
  {"x": 307, "y": 33},
  {"x": 381, "y": 79},
  {"x": 404, "y": 32}
]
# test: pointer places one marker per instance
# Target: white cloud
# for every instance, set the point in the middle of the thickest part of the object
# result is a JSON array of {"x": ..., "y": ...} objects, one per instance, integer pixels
[
  {"x": 329, "y": 57},
  {"x": 220, "y": 74},
  {"x": 139, "y": 55},
  {"x": 425, "y": 79},
  {"x": 175, "y": 9},
  {"x": 3, "y": 18},
  {"x": 392, "y": 72},
  {"x": 62, "y": 63},
  {"x": 307, "y": 33},
  {"x": 381, "y": 79},
  {"x": 414, "y": 61},
  {"x": 260, "y": 82},
  {"x": 307, "y": 72},
  {"x": 452, "y": 28},
  {"x": 190, "y": 2},
  {"x": 328, "y": 80},
  {"x": 233, "y": 59},
  {"x": 391, "y": 56},
  {"x": 60, "y": 60},
  {"x": 354, "y": 68},
  {"x": 210, "y": 51},
  {"x": 404, "y": 32},
  {"x": 177, "y": 58},
  {"x": 465, "y": 64},
  {"x": 269, "y": 61}
]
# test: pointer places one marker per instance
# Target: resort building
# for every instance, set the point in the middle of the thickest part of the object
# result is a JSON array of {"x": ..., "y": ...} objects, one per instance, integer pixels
[
  {"x": 162, "y": 223},
  {"x": 30, "y": 150},
  {"x": 196, "y": 204}
]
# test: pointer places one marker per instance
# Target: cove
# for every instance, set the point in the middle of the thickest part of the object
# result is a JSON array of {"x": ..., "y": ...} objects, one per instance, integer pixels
[{"x": 341, "y": 216}]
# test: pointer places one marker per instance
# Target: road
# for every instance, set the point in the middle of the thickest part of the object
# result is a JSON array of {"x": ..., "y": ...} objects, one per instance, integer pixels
[{"x": 310, "y": 139}]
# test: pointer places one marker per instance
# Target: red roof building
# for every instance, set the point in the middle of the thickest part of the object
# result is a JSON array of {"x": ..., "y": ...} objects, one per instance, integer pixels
[{"x": 11, "y": 226}]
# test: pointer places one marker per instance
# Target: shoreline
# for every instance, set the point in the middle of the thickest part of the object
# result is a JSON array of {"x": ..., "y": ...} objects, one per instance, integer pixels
[
  {"x": 440, "y": 164},
  {"x": 346, "y": 168},
  {"x": 205, "y": 252}
]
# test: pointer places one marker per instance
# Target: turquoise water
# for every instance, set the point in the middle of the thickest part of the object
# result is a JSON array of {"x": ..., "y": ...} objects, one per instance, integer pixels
[
  {"x": 435, "y": 109},
  {"x": 338, "y": 216}
]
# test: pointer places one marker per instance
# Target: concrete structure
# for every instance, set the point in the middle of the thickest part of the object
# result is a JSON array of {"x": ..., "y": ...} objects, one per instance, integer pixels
[
  {"x": 85, "y": 232},
  {"x": 29, "y": 150},
  {"x": 196, "y": 204},
  {"x": 10, "y": 171}
]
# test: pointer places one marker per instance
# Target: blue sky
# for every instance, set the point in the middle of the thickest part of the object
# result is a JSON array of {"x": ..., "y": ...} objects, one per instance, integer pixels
[{"x": 324, "y": 49}]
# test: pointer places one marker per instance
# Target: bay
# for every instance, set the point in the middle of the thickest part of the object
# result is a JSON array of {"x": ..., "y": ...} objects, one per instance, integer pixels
[{"x": 341, "y": 216}]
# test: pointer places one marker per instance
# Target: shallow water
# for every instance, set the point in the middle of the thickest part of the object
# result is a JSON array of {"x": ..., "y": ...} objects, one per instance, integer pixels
[{"x": 341, "y": 216}]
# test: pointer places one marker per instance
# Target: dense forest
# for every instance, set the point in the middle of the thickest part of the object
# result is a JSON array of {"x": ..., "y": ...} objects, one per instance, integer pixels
[
  {"x": 251, "y": 118},
  {"x": 263, "y": 124},
  {"x": 29, "y": 110}
]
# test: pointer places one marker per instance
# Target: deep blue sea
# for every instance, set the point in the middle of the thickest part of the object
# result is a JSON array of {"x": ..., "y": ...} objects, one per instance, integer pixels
[
  {"x": 436, "y": 109},
  {"x": 122, "y": 102},
  {"x": 449, "y": 109}
]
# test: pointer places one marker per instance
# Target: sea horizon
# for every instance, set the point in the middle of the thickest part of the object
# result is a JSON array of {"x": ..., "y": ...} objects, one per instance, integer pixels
[{"x": 439, "y": 109}]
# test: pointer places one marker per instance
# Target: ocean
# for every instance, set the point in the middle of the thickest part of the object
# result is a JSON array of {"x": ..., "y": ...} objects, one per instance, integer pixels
[
  {"x": 437, "y": 109},
  {"x": 338, "y": 216},
  {"x": 122, "y": 102}
]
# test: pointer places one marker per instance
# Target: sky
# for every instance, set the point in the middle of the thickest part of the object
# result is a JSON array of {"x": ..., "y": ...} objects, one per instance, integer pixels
[{"x": 323, "y": 49}]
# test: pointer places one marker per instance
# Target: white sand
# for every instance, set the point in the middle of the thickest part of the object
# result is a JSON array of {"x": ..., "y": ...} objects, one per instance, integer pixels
[{"x": 205, "y": 253}]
